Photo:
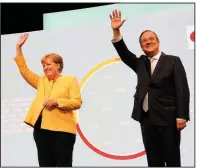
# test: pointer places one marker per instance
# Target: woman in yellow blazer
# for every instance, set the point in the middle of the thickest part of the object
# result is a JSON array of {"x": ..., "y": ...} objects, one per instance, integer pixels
[{"x": 51, "y": 112}]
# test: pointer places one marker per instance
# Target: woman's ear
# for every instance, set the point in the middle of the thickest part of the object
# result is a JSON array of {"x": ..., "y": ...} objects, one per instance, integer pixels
[{"x": 58, "y": 65}]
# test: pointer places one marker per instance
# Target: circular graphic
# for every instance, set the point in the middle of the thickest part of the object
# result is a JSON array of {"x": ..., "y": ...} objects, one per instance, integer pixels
[
  {"x": 85, "y": 139},
  {"x": 192, "y": 36}
]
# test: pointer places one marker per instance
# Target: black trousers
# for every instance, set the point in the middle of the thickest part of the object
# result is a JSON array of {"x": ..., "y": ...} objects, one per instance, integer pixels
[
  {"x": 55, "y": 149},
  {"x": 162, "y": 144}
]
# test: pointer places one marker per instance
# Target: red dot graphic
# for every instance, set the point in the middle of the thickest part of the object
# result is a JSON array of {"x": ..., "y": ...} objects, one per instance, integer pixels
[{"x": 192, "y": 36}]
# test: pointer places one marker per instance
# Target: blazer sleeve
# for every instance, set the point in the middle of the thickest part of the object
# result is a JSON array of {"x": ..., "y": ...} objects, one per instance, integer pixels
[
  {"x": 75, "y": 101},
  {"x": 182, "y": 90},
  {"x": 126, "y": 56},
  {"x": 30, "y": 77}
]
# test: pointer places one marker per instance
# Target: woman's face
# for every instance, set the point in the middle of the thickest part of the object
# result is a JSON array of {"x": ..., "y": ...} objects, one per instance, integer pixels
[{"x": 50, "y": 68}]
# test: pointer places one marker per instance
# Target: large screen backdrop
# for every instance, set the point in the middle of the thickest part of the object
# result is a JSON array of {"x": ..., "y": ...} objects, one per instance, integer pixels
[{"x": 107, "y": 136}]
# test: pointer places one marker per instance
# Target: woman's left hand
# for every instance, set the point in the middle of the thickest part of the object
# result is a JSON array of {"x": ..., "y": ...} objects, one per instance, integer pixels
[{"x": 50, "y": 104}]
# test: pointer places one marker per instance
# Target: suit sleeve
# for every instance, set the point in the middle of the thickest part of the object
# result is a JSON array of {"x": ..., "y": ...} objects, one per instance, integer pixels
[
  {"x": 182, "y": 90},
  {"x": 27, "y": 74},
  {"x": 126, "y": 56},
  {"x": 75, "y": 101}
]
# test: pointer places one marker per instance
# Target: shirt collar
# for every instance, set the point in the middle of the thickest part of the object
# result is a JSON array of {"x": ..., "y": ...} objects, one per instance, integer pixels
[{"x": 156, "y": 57}]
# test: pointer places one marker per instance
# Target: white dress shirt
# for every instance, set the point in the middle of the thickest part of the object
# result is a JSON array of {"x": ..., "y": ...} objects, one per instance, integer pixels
[{"x": 153, "y": 61}]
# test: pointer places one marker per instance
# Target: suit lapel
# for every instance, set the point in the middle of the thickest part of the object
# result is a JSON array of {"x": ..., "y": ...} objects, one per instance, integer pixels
[
  {"x": 147, "y": 65},
  {"x": 159, "y": 65}
]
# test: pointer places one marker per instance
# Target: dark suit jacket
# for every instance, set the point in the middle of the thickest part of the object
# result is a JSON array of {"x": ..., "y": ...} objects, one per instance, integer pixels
[{"x": 168, "y": 91}]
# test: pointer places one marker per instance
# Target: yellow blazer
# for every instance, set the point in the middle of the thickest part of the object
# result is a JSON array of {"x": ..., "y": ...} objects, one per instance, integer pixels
[{"x": 65, "y": 90}]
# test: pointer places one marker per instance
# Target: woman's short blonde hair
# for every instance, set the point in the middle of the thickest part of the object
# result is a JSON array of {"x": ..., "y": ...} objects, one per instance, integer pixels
[{"x": 55, "y": 58}]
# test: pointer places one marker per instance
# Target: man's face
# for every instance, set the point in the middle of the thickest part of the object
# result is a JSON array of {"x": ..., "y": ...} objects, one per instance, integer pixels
[{"x": 149, "y": 43}]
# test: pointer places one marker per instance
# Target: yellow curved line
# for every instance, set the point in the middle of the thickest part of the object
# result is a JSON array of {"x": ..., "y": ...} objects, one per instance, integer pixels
[{"x": 90, "y": 73}]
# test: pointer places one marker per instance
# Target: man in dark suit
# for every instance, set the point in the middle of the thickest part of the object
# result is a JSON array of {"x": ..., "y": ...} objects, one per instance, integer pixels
[{"x": 161, "y": 101}]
